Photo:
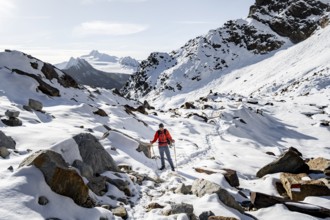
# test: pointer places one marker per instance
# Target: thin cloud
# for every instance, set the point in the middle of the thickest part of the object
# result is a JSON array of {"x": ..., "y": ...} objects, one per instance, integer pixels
[
  {"x": 86, "y": 2},
  {"x": 194, "y": 22},
  {"x": 7, "y": 8},
  {"x": 107, "y": 28}
]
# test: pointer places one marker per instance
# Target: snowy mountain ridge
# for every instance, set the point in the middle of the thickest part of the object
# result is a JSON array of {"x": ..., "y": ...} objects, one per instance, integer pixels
[
  {"x": 84, "y": 73},
  {"x": 271, "y": 26}
]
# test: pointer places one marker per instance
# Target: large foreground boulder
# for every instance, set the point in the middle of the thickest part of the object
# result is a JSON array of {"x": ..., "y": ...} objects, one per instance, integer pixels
[
  {"x": 61, "y": 179},
  {"x": 300, "y": 186},
  {"x": 201, "y": 187},
  {"x": 289, "y": 162},
  {"x": 94, "y": 154},
  {"x": 6, "y": 141}
]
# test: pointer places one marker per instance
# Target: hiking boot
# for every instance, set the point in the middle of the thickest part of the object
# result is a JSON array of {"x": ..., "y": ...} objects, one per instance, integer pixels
[
  {"x": 173, "y": 169},
  {"x": 162, "y": 168}
]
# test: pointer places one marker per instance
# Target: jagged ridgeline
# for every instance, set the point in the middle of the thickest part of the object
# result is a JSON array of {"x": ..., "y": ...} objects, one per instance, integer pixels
[{"x": 269, "y": 27}]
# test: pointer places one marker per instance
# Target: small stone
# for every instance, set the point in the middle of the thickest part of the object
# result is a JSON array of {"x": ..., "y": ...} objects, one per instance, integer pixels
[
  {"x": 206, "y": 215},
  {"x": 231, "y": 177},
  {"x": 4, "y": 152},
  {"x": 183, "y": 189},
  {"x": 270, "y": 153},
  {"x": 35, "y": 105},
  {"x": 120, "y": 211},
  {"x": 11, "y": 169},
  {"x": 12, "y": 114},
  {"x": 154, "y": 205},
  {"x": 43, "y": 200},
  {"x": 221, "y": 218},
  {"x": 106, "y": 207}
]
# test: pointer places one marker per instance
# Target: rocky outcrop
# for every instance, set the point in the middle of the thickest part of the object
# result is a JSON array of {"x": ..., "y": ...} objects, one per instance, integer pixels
[
  {"x": 296, "y": 20},
  {"x": 289, "y": 162},
  {"x": 60, "y": 178},
  {"x": 6, "y": 141},
  {"x": 183, "y": 189},
  {"x": 202, "y": 187},
  {"x": 94, "y": 154},
  {"x": 120, "y": 212},
  {"x": 65, "y": 80},
  {"x": 300, "y": 186}
]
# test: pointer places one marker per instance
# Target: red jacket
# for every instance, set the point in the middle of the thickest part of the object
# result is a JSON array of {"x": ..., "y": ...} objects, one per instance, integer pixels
[{"x": 162, "y": 138}]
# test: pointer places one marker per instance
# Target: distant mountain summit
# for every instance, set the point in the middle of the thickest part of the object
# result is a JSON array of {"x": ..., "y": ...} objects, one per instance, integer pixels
[
  {"x": 271, "y": 26},
  {"x": 85, "y": 74},
  {"x": 97, "y": 56}
]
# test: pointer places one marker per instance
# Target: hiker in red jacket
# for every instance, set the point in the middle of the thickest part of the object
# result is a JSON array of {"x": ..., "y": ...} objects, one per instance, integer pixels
[{"x": 164, "y": 139}]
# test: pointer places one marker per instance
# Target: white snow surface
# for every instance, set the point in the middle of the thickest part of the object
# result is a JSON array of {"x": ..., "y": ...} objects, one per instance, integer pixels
[{"x": 237, "y": 135}]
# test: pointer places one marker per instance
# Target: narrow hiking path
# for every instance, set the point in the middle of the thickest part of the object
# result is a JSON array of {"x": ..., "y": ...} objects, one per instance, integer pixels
[{"x": 153, "y": 192}]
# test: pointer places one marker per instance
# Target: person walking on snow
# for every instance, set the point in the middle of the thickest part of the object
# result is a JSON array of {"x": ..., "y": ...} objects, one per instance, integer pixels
[{"x": 164, "y": 139}]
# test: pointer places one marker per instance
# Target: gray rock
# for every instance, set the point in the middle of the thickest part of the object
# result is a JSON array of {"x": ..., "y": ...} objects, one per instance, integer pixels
[
  {"x": 183, "y": 189},
  {"x": 84, "y": 169},
  {"x": 4, "y": 152},
  {"x": 98, "y": 185},
  {"x": 42, "y": 200},
  {"x": 290, "y": 162},
  {"x": 11, "y": 169},
  {"x": 206, "y": 215},
  {"x": 202, "y": 187},
  {"x": 27, "y": 108},
  {"x": 6, "y": 141},
  {"x": 12, "y": 114},
  {"x": 35, "y": 105},
  {"x": 121, "y": 185},
  {"x": 60, "y": 178},
  {"x": 181, "y": 208},
  {"x": 94, "y": 154},
  {"x": 12, "y": 122}
]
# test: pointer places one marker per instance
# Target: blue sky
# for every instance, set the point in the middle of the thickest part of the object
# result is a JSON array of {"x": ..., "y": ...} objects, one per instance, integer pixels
[{"x": 55, "y": 30}]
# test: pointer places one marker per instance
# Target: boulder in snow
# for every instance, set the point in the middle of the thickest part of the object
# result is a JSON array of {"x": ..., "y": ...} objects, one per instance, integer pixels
[
  {"x": 205, "y": 215},
  {"x": 61, "y": 179},
  {"x": 289, "y": 162},
  {"x": 202, "y": 187},
  {"x": 98, "y": 185},
  {"x": 120, "y": 212},
  {"x": 101, "y": 113},
  {"x": 42, "y": 200},
  {"x": 6, "y": 141},
  {"x": 188, "y": 105},
  {"x": 4, "y": 152},
  {"x": 319, "y": 164},
  {"x": 183, "y": 189},
  {"x": 35, "y": 105},
  {"x": 231, "y": 177},
  {"x": 12, "y": 122},
  {"x": 12, "y": 114},
  {"x": 84, "y": 169},
  {"x": 94, "y": 154},
  {"x": 300, "y": 186},
  {"x": 180, "y": 208}
]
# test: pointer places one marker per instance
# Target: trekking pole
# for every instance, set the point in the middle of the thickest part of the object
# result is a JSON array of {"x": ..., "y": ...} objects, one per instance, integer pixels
[
  {"x": 153, "y": 152},
  {"x": 176, "y": 163}
]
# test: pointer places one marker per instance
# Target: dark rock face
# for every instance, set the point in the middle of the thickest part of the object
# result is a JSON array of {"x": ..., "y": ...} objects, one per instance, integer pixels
[
  {"x": 231, "y": 177},
  {"x": 294, "y": 19},
  {"x": 43, "y": 87},
  {"x": 12, "y": 122},
  {"x": 65, "y": 80},
  {"x": 205, "y": 215},
  {"x": 6, "y": 141},
  {"x": 61, "y": 179},
  {"x": 94, "y": 154},
  {"x": 290, "y": 162},
  {"x": 12, "y": 114}
]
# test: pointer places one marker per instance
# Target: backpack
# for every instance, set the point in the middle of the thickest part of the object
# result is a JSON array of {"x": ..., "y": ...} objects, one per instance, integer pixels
[{"x": 168, "y": 140}]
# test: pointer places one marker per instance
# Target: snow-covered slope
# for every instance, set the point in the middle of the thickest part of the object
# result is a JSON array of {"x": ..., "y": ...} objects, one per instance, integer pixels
[
  {"x": 272, "y": 26},
  {"x": 85, "y": 74}
]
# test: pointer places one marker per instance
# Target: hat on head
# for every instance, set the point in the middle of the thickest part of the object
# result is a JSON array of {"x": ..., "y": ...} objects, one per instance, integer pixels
[{"x": 161, "y": 125}]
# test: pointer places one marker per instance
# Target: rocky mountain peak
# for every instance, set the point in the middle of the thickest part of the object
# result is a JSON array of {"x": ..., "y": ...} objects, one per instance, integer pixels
[
  {"x": 296, "y": 20},
  {"x": 270, "y": 26}
]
